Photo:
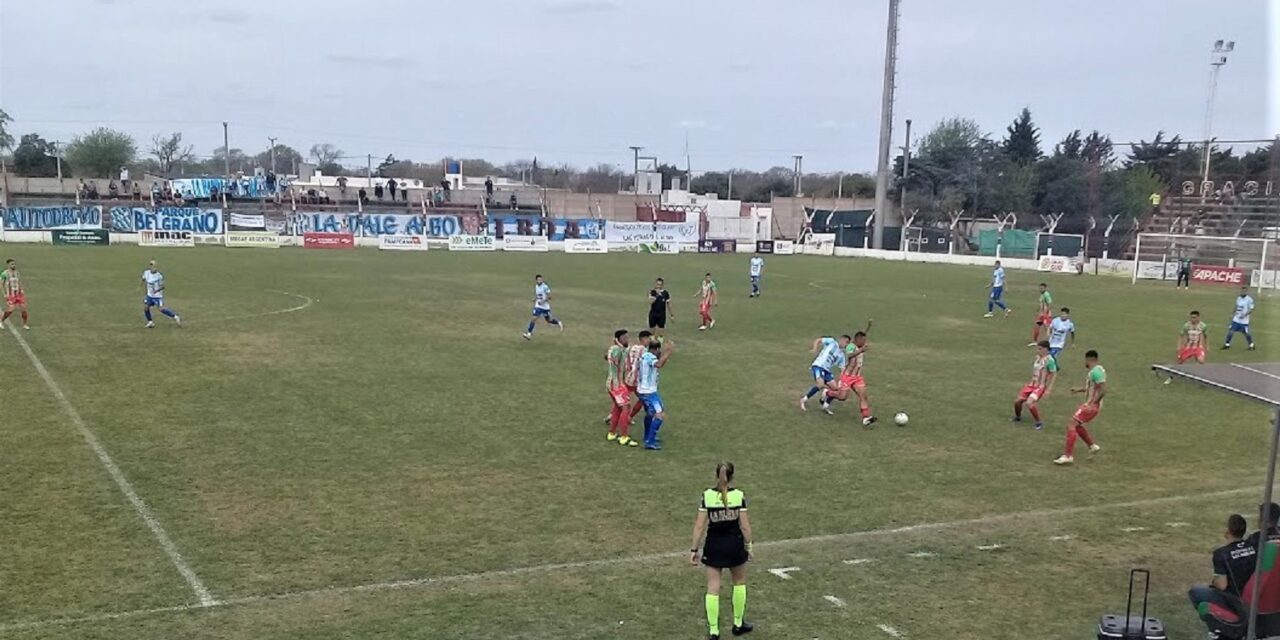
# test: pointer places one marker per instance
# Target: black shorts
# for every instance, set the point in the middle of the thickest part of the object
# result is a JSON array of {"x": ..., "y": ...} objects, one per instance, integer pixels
[
  {"x": 1184, "y": 276},
  {"x": 658, "y": 320},
  {"x": 724, "y": 551}
]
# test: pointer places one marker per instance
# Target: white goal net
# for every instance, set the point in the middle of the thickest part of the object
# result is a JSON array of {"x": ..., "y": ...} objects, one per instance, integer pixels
[{"x": 1213, "y": 259}]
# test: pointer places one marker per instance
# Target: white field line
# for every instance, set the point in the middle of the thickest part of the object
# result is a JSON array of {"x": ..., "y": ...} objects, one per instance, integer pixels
[
  {"x": 922, "y": 555},
  {"x": 784, "y": 572},
  {"x": 889, "y": 630},
  {"x": 837, "y": 602},
  {"x": 423, "y": 583},
  {"x": 1061, "y": 538},
  {"x": 197, "y": 320},
  {"x": 990, "y": 547},
  {"x": 860, "y": 561},
  {"x": 202, "y": 593}
]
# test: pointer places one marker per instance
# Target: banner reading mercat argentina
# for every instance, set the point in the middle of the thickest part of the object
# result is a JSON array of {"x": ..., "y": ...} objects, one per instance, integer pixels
[
  {"x": 383, "y": 224},
  {"x": 37, "y": 218},
  {"x": 193, "y": 219}
]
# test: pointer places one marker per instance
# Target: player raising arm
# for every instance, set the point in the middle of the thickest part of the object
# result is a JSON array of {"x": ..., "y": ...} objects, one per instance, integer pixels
[
  {"x": 1043, "y": 372},
  {"x": 707, "y": 292},
  {"x": 1095, "y": 388},
  {"x": 15, "y": 297},
  {"x": 647, "y": 391}
]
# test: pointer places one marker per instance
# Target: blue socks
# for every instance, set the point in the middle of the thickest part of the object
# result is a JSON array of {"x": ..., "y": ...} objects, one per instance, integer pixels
[
  {"x": 993, "y": 303},
  {"x": 166, "y": 311},
  {"x": 1232, "y": 332},
  {"x": 147, "y": 312},
  {"x": 651, "y": 426},
  {"x": 813, "y": 391},
  {"x": 530, "y": 329}
]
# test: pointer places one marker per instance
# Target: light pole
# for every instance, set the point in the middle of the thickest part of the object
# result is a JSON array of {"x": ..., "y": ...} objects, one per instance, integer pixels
[
  {"x": 635, "y": 169},
  {"x": 273, "y": 153},
  {"x": 886, "y": 124},
  {"x": 1217, "y": 59},
  {"x": 906, "y": 164},
  {"x": 796, "y": 180},
  {"x": 226, "y": 151}
]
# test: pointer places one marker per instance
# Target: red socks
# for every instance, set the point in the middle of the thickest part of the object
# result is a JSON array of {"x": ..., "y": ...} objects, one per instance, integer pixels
[
  {"x": 1070, "y": 449},
  {"x": 1084, "y": 435},
  {"x": 615, "y": 417}
]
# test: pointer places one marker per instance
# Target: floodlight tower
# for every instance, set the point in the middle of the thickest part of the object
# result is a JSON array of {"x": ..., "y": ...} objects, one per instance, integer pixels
[{"x": 1217, "y": 59}]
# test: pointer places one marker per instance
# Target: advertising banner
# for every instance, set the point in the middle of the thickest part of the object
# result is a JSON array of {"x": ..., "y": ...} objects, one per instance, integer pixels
[
  {"x": 472, "y": 243},
  {"x": 822, "y": 244},
  {"x": 659, "y": 247},
  {"x": 525, "y": 243},
  {"x": 149, "y": 238},
  {"x": 784, "y": 247},
  {"x": 322, "y": 240},
  {"x": 80, "y": 236},
  {"x": 1058, "y": 264},
  {"x": 382, "y": 224},
  {"x": 555, "y": 229},
  {"x": 632, "y": 232},
  {"x": 250, "y": 222},
  {"x": 1156, "y": 270},
  {"x": 1218, "y": 275},
  {"x": 41, "y": 218},
  {"x": 586, "y": 246},
  {"x": 254, "y": 239},
  {"x": 402, "y": 243},
  {"x": 764, "y": 246},
  {"x": 718, "y": 246}
]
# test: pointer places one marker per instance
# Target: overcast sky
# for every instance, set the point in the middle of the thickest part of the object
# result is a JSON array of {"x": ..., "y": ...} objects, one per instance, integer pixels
[{"x": 750, "y": 82}]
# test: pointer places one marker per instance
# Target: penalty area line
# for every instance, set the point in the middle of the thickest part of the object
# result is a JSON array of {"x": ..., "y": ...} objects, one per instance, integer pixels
[
  {"x": 423, "y": 583},
  {"x": 140, "y": 507}
]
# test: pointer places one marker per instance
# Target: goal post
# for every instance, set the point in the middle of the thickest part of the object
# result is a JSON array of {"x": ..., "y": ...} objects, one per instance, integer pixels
[{"x": 1249, "y": 262}]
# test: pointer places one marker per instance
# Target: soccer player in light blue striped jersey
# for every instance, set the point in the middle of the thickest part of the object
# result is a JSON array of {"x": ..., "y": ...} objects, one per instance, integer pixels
[
  {"x": 153, "y": 283},
  {"x": 997, "y": 292},
  {"x": 830, "y": 360},
  {"x": 541, "y": 307}
]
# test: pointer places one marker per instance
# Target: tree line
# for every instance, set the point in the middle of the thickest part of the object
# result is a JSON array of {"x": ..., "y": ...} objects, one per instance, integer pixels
[{"x": 954, "y": 166}]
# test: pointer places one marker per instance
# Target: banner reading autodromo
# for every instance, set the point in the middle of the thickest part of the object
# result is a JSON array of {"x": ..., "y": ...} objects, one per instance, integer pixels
[
  {"x": 39, "y": 218},
  {"x": 633, "y": 232},
  {"x": 198, "y": 221}
]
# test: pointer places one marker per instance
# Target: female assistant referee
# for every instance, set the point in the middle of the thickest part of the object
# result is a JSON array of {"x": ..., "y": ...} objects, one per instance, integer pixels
[{"x": 722, "y": 516}]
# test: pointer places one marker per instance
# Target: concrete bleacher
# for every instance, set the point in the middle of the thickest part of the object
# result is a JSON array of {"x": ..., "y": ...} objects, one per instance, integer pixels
[{"x": 1254, "y": 217}]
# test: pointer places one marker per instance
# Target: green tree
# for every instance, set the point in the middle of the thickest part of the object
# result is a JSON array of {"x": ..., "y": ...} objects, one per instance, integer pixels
[
  {"x": 1022, "y": 140},
  {"x": 6, "y": 138},
  {"x": 326, "y": 157},
  {"x": 1070, "y": 147},
  {"x": 287, "y": 159},
  {"x": 1160, "y": 156},
  {"x": 169, "y": 150},
  {"x": 35, "y": 157},
  {"x": 101, "y": 152}
]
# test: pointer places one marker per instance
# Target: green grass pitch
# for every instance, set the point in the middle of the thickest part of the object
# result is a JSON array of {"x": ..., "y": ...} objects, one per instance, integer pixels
[{"x": 327, "y": 420}]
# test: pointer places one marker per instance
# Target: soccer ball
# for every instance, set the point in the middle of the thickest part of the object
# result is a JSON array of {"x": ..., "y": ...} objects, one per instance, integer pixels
[{"x": 900, "y": 419}]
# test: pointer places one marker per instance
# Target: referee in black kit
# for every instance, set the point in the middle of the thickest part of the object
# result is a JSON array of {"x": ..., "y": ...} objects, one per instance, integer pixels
[
  {"x": 722, "y": 516},
  {"x": 659, "y": 309}
]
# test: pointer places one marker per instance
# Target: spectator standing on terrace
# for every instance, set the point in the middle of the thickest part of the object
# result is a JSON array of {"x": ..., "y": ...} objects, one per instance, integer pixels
[
  {"x": 377, "y": 191},
  {"x": 213, "y": 193},
  {"x": 488, "y": 189},
  {"x": 124, "y": 178},
  {"x": 515, "y": 204},
  {"x": 155, "y": 191},
  {"x": 82, "y": 190},
  {"x": 137, "y": 191},
  {"x": 342, "y": 187},
  {"x": 112, "y": 189},
  {"x": 391, "y": 187},
  {"x": 363, "y": 196},
  {"x": 93, "y": 190}
]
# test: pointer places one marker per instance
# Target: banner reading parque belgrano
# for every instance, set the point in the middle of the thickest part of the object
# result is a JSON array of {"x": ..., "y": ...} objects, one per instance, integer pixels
[{"x": 193, "y": 219}]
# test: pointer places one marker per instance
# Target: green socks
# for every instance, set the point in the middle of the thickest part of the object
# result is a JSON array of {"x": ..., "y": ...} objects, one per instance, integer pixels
[
  {"x": 739, "y": 603},
  {"x": 713, "y": 613}
]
